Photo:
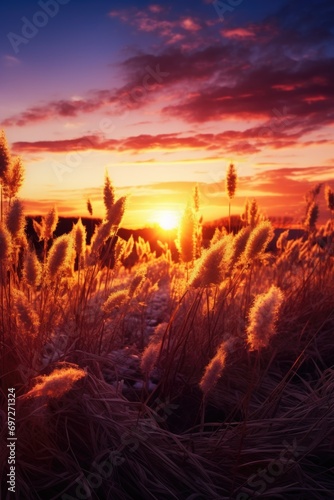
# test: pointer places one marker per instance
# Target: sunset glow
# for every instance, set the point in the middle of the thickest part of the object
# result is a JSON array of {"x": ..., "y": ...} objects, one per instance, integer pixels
[
  {"x": 167, "y": 219},
  {"x": 164, "y": 96}
]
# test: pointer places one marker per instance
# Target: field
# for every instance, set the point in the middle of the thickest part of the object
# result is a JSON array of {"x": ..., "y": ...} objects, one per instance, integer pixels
[{"x": 209, "y": 376}]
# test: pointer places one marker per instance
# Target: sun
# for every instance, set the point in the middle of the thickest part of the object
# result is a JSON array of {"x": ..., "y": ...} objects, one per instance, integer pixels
[{"x": 167, "y": 219}]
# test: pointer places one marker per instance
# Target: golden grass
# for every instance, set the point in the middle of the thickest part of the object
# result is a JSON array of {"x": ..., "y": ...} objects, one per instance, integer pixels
[{"x": 208, "y": 378}]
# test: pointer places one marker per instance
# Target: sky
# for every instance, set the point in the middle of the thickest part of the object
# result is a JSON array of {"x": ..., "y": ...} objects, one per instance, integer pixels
[{"x": 166, "y": 95}]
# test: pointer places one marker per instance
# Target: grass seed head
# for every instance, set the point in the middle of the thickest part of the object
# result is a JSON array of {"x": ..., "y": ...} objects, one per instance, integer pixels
[
  {"x": 108, "y": 194},
  {"x": 213, "y": 370},
  {"x": 15, "y": 219},
  {"x": 239, "y": 244},
  {"x": 5, "y": 242},
  {"x": 116, "y": 212},
  {"x": 89, "y": 207},
  {"x": 115, "y": 300},
  {"x": 27, "y": 316},
  {"x": 79, "y": 237},
  {"x": 329, "y": 197},
  {"x": 56, "y": 384},
  {"x": 212, "y": 266},
  {"x": 59, "y": 256},
  {"x": 231, "y": 181},
  {"x": 312, "y": 216},
  {"x": 49, "y": 224},
  {"x": 32, "y": 269},
  {"x": 5, "y": 158},
  {"x": 186, "y": 241},
  {"x": 262, "y": 318},
  {"x": 13, "y": 179},
  {"x": 149, "y": 357},
  {"x": 258, "y": 240}
]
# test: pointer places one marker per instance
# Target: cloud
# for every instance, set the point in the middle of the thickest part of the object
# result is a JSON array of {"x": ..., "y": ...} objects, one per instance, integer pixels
[
  {"x": 63, "y": 108},
  {"x": 154, "y": 19},
  {"x": 238, "y": 33},
  {"x": 83, "y": 143},
  {"x": 230, "y": 142},
  {"x": 190, "y": 25},
  {"x": 304, "y": 89}
]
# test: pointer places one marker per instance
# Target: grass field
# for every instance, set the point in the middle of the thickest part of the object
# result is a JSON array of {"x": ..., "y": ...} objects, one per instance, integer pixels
[{"x": 207, "y": 378}]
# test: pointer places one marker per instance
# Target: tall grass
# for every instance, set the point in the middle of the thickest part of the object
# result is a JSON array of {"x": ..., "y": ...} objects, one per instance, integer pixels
[{"x": 172, "y": 379}]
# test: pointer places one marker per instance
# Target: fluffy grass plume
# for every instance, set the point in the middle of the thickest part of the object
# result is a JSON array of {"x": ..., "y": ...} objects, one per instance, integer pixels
[
  {"x": 230, "y": 186},
  {"x": 108, "y": 194},
  {"x": 100, "y": 236},
  {"x": 239, "y": 244},
  {"x": 89, "y": 207},
  {"x": 211, "y": 267},
  {"x": 46, "y": 228},
  {"x": 32, "y": 269},
  {"x": 262, "y": 318},
  {"x": 27, "y": 317},
  {"x": 329, "y": 197},
  {"x": 186, "y": 241},
  {"x": 214, "y": 369},
  {"x": 312, "y": 216},
  {"x": 5, "y": 157},
  {"x": 79, "y": 237},
  {"x": 59, "y": 255},
  {"x": 231, "y": 181},
  {"x": 151, "y": 353},
  {"x": 115, "y": 300},
  {"x": 56, "y": 384},
  {"x": 258, "y": 240},
  {"x": 254, "y": 213},
  {"x": 15, "y": 220},
  {"x": 149, "y": 358},
  {"x": 128, "y": 247},
  {"x": 5, "y": 242},
  {"x": 116, "y": 212},
  {"x": 13, "y": 178},
  {"x": 137, "y": 280},
  {"x": 196, "y": 198},
  {"x": 50, "y": 223}
]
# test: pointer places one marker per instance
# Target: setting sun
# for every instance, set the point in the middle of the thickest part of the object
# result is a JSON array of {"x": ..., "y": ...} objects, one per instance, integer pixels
[{"x": 167, "y": 219}]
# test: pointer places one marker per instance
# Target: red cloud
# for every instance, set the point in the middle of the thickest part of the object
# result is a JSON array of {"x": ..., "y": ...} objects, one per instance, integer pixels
[
  {"x": 61, "y": 108},
  {"x": 238, "y": 143},
  {"x": 190, "y": 25},
  {"x": 238, "y": 33}
]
